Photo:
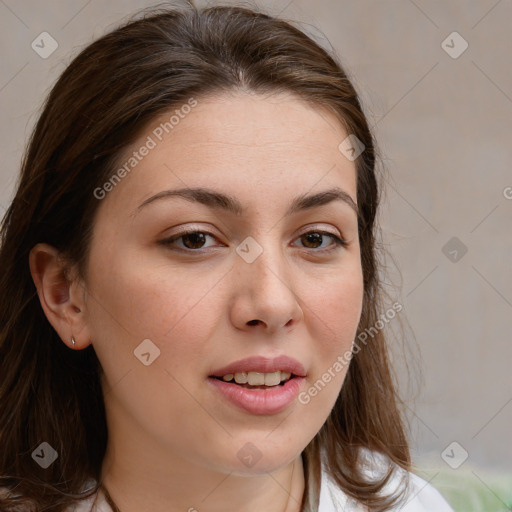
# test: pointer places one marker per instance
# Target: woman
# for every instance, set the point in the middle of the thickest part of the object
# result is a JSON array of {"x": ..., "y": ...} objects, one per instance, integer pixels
[{"x": 189, "y": 276}]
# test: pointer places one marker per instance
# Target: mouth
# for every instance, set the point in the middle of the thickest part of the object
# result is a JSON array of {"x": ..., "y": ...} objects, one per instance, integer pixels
[
  {"x": 260, "y": 385},
  {"x": 258, "y": 399}
]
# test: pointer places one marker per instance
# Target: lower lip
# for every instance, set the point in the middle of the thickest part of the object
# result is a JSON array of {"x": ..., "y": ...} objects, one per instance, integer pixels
[{"x": 260, "y": 401}]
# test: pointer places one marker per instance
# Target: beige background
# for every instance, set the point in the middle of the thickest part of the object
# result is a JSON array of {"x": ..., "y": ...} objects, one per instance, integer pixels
[{"x": 443, "y": 125}]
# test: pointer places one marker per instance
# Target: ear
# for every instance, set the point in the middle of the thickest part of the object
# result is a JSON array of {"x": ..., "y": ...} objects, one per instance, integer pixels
[{"x": 62, "y": 297}]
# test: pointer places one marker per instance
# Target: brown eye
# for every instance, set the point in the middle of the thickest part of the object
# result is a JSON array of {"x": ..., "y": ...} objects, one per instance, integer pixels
[
  {"x": 314, "y": 239},
  {"x": 191, "y": 241}
]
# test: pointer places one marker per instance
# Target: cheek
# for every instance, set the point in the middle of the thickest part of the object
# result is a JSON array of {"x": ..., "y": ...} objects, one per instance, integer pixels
[
  {"x": 132, "y": 303},
  {"x": 174, "y": 309},
  {"x": 146, "y": 301},
  {"x": 337, "y": 305},
  {"x": 337, "y": 311}
]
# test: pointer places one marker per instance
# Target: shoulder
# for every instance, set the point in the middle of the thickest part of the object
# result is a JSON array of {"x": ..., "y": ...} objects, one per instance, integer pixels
[
  {"x": 418, "y": 495},
  {"x": 423, "y": 496}
]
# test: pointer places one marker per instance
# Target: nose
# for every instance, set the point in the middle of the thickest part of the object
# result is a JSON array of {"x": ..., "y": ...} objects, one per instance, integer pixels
[{"x": 264, "y": 294}]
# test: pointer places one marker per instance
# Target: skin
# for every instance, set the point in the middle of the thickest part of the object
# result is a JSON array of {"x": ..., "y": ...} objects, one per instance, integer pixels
[{"x": 173, "y": 441}]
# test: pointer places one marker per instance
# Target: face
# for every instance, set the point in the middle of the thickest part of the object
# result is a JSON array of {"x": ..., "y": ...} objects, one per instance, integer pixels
[{"x": 167, "y": 311}]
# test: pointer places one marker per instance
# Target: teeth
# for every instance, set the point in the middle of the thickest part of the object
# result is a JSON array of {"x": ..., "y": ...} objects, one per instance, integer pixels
[
  {"x": 241, "y": 378},
  {"x": 272, "y": 379},
  {"x": 257, "y": 378}
]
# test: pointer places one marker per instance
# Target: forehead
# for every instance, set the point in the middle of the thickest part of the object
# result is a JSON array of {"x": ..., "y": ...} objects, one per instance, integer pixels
[
  {"x": 254, "y": 123},
  {"x": 240, "y": 142}
]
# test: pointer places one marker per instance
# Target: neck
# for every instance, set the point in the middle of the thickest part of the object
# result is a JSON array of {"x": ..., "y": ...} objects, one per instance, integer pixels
[{"x": 135, "y": 487}]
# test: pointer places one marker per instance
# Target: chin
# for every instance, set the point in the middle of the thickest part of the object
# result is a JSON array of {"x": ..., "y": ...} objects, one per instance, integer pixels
[
  {"x": 258, "y": 469},
  {"x": 251, "y": 461}
]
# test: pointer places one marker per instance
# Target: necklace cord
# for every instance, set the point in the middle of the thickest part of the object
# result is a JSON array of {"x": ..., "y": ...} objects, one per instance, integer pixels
[{"x": 109, "y": 499}]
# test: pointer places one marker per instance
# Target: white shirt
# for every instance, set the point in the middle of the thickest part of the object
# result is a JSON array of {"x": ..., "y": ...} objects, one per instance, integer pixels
[{"x": 421, "y": 497}]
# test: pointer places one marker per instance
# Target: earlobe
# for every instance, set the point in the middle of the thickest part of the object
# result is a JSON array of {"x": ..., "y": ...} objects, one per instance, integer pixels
[{"x": 60, "y": 299}]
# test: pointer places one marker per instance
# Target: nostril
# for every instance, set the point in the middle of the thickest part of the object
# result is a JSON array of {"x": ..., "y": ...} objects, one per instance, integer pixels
[{"x": 253, "y": 322}]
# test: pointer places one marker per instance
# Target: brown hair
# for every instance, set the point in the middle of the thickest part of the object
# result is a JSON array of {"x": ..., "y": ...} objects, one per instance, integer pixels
[{"x": 100, "y": 103}]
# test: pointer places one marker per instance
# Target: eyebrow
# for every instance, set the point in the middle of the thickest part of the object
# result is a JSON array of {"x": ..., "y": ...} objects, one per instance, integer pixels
[{"x": 220, "y": 201}]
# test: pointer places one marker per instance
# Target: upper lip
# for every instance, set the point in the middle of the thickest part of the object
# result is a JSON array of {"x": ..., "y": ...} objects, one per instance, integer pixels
[{"x": 262, "y": 364}]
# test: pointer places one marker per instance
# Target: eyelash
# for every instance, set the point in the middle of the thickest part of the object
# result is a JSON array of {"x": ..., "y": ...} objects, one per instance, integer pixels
[{"x": 338, "y": 242}]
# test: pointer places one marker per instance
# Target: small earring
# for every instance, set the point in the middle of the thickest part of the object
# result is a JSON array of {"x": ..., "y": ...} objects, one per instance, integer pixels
[{"x": 73, "y": 341}]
